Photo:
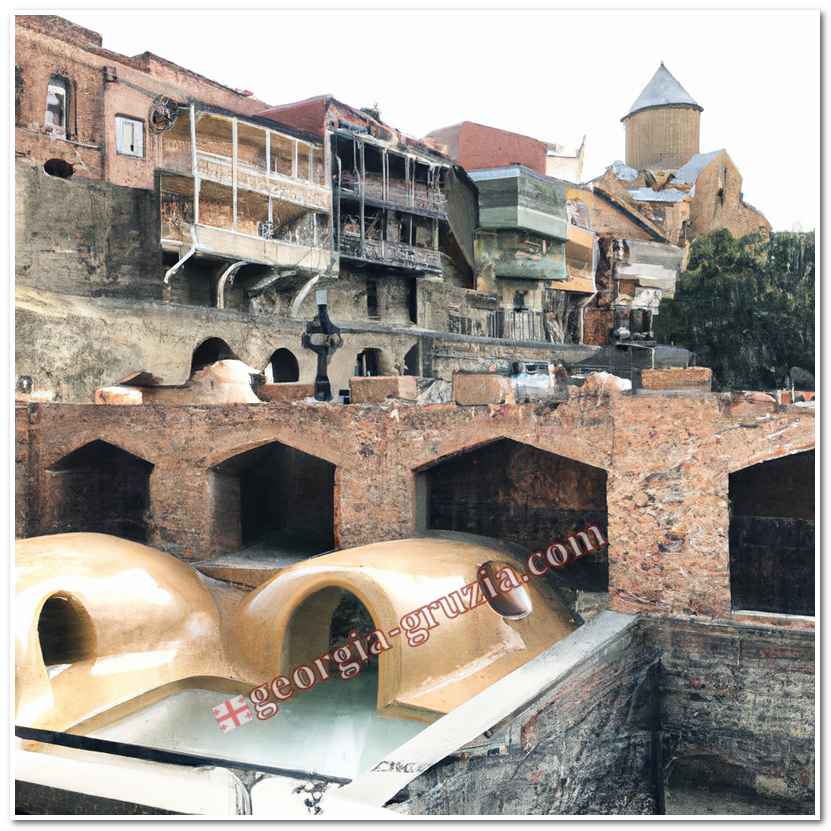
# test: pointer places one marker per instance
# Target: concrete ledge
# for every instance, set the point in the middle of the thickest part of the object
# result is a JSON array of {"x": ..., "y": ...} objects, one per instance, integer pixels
[
  {"x": 377, "y": 389},
  {"x": 699, "y": 377},
  {"x": 498, "y": 701},
  {"x": 473, "y": 389},
  {"x": 286, "y": 392}
]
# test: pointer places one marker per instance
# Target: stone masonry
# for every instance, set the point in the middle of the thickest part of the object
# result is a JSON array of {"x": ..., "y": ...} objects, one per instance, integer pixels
[{"x": 667, "y": 461}]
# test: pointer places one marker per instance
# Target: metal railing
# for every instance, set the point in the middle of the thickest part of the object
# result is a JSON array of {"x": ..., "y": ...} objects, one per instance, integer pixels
[{"x": 517, "y": 324}]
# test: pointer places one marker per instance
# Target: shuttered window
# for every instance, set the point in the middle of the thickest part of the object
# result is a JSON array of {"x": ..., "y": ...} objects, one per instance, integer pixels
[{"x": 129, "y": 136}]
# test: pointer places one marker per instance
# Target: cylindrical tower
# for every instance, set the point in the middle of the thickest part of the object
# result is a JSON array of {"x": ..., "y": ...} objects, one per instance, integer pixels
[{"x": 662, "y": 126}]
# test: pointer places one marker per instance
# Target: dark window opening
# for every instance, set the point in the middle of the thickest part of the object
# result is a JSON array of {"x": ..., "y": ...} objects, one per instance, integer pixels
[
  {"x": 372, "y": 159},
  {"x": 209, "y": 352},
  {"x": 518, "y": 493},
  {"x": 411, "y": 361},
  {"x": 513, "y": 605},
  {"x": 396, "y": 166},
  {"x": 772, "y": 536},
  {"x": 65, "y": 631},
  {"x": 412, "y": 300},
  {"x": 372, "y": 299},
  {"x": 284, "y": 367},
  {"x": 276, "y": 501},
  {"x": 59, "y": 168},
  {"x": 101, "y": 488},
  {"x": 372, "y": 362},
  {"x": 519, "y": 301}
]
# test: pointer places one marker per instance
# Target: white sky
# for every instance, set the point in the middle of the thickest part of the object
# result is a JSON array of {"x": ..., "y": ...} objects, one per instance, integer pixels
[{"x": 551, "y": 75}]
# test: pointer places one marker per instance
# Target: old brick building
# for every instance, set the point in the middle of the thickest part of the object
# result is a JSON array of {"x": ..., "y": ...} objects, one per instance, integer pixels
[{"x": 668, "y": 179}]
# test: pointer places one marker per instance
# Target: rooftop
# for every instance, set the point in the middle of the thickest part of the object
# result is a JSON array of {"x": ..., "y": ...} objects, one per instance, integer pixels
[{"x": 663, "y": 90}]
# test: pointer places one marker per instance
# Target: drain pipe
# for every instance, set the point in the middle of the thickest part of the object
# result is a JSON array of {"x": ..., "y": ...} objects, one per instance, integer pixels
[
  {"x": 177, "y": 265},
  {"x": 227, "y": 275}
]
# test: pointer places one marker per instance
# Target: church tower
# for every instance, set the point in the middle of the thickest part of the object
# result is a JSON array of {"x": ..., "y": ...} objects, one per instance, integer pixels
[{"x": 662, "y": 126}]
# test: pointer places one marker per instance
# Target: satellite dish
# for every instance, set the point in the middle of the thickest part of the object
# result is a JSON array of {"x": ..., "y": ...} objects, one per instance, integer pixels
[{"x": 162, "y": 115}]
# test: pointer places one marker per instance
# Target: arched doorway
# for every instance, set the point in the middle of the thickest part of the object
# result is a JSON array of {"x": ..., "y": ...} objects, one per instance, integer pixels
[
  {"x": 772, "y": 536},
  {"x": 282, "y": 367},
  {"x": 99, "y": 487},
  {"x": 65, "y": 631},
  {"x": 325, "y": 621},
  {"x": 373, "y": 362},
  {"x": 275, "y": 501},
  {"x": 209, "y": 352},
  {"x": 411, "y": 361},
  {"x": 518, "y": 493}
]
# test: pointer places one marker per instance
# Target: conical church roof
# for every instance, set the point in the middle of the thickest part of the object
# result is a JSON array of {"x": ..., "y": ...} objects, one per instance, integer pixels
[{"x": 663, "y": 91}]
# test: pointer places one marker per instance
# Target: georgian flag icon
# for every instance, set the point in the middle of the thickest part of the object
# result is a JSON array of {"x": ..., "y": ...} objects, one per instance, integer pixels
[{"x": 232, "y": 713}]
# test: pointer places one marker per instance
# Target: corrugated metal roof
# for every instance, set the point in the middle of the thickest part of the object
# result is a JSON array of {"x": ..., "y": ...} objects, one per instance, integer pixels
[
  {"x": 662, "y": 91},
  {"x": 649, "y": 195},
  {"x": 689, "y": 173},
  {"x": 624, "y": 172}
]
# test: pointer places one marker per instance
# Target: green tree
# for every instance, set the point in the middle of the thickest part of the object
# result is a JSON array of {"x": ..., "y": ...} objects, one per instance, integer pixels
[{"x": 746, "y": 308}]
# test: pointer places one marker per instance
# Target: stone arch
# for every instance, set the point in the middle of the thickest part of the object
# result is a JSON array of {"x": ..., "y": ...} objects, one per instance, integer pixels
[
  {"x": 274, "y": 500},
  {"x": 771, "y": 537},
  {"x": 209, "y": 351},
  {"x": 374, "y": 361},
  {"x": 520, "y": 493},
  {"x": 65, "y": 630},
  {"x": 282, "y": 367},
  {"x": 412, "y": 361},
  {"x": 320, "y": 623},
  {"x": 98, "y": 487},
  {"x": 707, "y": 783}
]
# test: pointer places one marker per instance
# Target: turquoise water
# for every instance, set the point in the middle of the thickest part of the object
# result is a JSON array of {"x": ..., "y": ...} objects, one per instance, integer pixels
[{"x": 332, "y": 729}]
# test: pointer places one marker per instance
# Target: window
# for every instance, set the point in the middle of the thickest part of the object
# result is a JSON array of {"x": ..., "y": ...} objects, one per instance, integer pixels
[
  {"x": 129, "y": 136},
  {"x": 372, "y": 299},
  {"x": 56, "y": 105}
]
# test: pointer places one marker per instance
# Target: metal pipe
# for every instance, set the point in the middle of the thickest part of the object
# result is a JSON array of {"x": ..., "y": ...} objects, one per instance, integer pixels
[
  {"x": 227, "y": 275},
  {"x": 234, "y": 156},
  {"x": 194, "y": 164},
  {"x": 177, "y": 265}
]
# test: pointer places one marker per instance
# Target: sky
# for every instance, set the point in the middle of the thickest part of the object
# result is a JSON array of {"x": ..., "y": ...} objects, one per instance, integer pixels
[{"x": 555, "y": 76}]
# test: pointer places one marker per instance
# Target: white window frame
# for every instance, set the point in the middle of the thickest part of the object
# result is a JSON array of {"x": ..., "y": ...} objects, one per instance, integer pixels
[
  {"x": 58, "y": 87},
  {"x": 121, "y": 121}
]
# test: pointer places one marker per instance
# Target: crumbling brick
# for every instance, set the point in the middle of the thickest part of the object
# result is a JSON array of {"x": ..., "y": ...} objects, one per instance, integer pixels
[
  {"x": 374, "y": 390},
  {"x": 475, "y": 388},
  {"x": 675, "y": 378}
]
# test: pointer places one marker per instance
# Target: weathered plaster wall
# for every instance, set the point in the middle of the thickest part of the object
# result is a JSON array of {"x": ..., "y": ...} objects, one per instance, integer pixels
[
  {"x": 667, "y": 461},
  {"x": 672, "y": 716},
  {"x": 85, "y": 238},
  {"x": 584, "y": 746},
  {"x": 718, "y": 202},
  {"x": 738, "y": 703},
  {"x": 47, "y": 45},
  {"x": 668, "y": 495}
]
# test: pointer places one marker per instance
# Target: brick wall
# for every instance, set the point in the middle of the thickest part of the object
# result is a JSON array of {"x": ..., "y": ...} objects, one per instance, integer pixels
[
  {"x": 667, "y": 462},
  {"x": 49, "y": 45}
]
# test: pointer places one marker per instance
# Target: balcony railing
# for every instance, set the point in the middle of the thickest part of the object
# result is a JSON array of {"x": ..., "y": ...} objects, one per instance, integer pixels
[
  {"x": 396, "y": 192},
  {"x": 219, "y": 169},
  {"x": 513, "y": 324},
  {"x": 391, "y": 253}
]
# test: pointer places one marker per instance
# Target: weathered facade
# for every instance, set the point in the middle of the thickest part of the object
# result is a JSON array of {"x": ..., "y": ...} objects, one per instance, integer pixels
[
  {"x": 667, "y": 179},
  {"x": 478, "y": 147},
  {"x": 161, "y": 211}
]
